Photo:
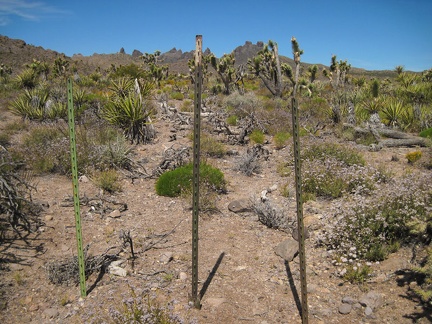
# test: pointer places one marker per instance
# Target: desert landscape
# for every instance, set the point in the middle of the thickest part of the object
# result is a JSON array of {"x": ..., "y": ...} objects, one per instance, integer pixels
[{"x": 366, "y": 161}]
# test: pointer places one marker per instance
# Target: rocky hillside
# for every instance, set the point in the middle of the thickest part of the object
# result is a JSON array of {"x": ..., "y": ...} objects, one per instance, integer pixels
[{"x": 16, "y": 53}]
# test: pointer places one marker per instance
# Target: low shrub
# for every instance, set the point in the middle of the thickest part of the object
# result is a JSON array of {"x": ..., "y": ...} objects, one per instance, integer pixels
[
  {"x": 324, "y": 151},
  {"x": 46, "y": 149},
  {"x": 248, "y": 164},
  {"x": 257, "y": 136},
  {"x": 211, "y": 147},
  {"x": 377, "y": 226},
  {"x": 108, "y": 181},
  {"x": 413, "y": 157},
  {"x": 176, "y": 95},
  {"x": 357, "y": 274},
  {"x": 172, "y": 183},
  {"x": 426, "y": 133},
  {"x": 232, "y": 120},
  {"x": 280, "y": 139}
]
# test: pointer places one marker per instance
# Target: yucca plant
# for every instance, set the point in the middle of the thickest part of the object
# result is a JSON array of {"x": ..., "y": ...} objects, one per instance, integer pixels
[
  {"x": 31, "y": 104},
  {"x": 27, "y": 79},
  {"x": 128, "y": 109},
  {"x": 391, "y": 112}
]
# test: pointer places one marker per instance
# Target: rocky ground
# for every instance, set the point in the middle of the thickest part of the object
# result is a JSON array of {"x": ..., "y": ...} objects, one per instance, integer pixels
[{"x": 241, "y": 277}]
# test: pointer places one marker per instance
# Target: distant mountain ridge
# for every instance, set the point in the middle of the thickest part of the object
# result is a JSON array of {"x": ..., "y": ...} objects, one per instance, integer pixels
[{"x": 16, "y": 53}]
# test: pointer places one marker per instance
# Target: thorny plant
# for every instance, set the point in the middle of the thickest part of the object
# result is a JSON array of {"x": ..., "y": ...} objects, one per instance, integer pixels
[{"x": 15, "y": 194}]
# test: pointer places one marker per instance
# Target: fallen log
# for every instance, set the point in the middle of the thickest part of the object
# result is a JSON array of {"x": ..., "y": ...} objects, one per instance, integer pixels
[{"x": 393, "y": 138}]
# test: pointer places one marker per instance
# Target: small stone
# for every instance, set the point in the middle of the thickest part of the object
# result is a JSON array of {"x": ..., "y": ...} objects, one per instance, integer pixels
[
  {"x": 51, "y": 312},
  {"x": 368, "y": 311},
  {"x": 166, "y": 257},
  {"x": 182, "y": 276},
  {"x": 287, "y": 249},
  {"x": 296, "y": 236},
  {"x": 349, "y": 300},
  {"x": 345, "y": 309},
  {"x": 83, "y": 179},
  {"x": 272, "y": 188},
  {"x": 115, "y": 214},
  {"x": 311, "y": 288},
  {"x": 239, "y": 206},
  {"x": 372, "y": 299}
]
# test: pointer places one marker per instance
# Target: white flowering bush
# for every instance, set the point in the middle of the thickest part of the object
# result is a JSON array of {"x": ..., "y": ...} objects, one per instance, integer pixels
[{"x": 371, "y": 227}]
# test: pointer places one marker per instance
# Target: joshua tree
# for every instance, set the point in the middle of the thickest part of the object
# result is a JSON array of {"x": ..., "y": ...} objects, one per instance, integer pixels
[
  {"x": 399, "y": 69},
  {"x": 156, "y": 72},
  {"x": 60, "y": 66},
  {"x": 266, "y": 65},
  {"x": 204, "y": 67},
  {"x": 338, "y": 72},
  {"x": 312, "y": 73},
  {"x": 229, "y": 74}
]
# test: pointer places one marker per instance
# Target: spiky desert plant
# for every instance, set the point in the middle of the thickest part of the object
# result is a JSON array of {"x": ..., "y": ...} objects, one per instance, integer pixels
[
  {"x": 130, "y": 111},
  {"x": 27, "y": 79},
  {"x": 391, "y": 112},
  {"x": 31, "y": 104}
]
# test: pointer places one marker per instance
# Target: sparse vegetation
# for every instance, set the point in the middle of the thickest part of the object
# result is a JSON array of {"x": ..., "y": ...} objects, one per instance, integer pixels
[{"x": 373, "y": 211}]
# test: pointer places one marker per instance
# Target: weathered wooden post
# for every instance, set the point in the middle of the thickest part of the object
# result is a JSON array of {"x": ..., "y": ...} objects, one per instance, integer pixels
[
  {"x": 72, "y": 137},
  {"x": 196, "y": 167}
]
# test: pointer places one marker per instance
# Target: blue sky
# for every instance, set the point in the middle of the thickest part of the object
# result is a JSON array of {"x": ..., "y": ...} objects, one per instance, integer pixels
[{"x": 370, "y": 34}]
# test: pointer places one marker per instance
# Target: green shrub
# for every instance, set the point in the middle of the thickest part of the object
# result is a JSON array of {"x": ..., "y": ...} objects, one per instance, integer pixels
[
  {"x": 257, "y": 136},
  {"x": 413, "y": 157},
  {"x": 46, "y": 148},
  {"x": 108, "y": 180},
  {"x": 211, "y": 147},
  {"x": 426, "y": 133},
  {"x": 357, "y": 274},
  {"x": 172, "y": 183},
  {"x": 425, "y": 289},
  {"x": 326, "y": 150},
  {"x": 176, "y": 95},
  {"x": 187, "y": 106},
  {"x": 280, "y": 139},
  {"x": 232, "y": 120}
]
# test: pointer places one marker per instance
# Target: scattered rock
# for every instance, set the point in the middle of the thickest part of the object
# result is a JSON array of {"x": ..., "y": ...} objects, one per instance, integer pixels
[
  {"x": 51, "y": 312},
  {"x": 166, "y": 257},
  {"x": 272, "y": 188},
  {"x": 345, "y": 309},
  {"x": 368, "y": 311},
  {"x": 182, "y": 276},
  {"x": 115, "y": 214},
  {"x": 83, "y": 179},
  {"x": 287, "y": 249},
  {"x": 49, "y": 218},
  {"x": 371, "y": 299},
  {"x": 349, "y": 300},
  {"x": 115, "y": 269},
  {"x": 295, "y": 234},
  {"x": 239, "y": 206}
]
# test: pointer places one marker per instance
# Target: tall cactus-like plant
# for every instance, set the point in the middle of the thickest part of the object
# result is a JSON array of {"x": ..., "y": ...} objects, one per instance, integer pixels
[
  {"x": 266, "y": 65},
  {"x": 230, "y": 75}
]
